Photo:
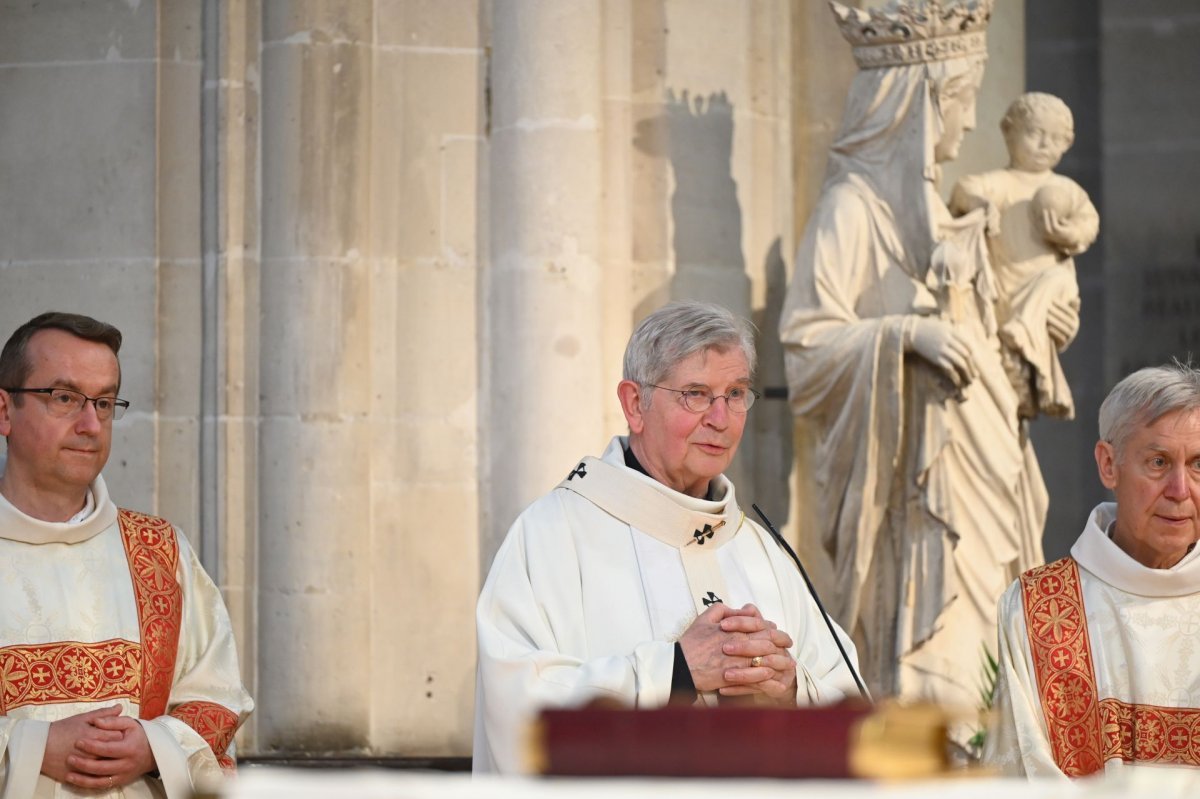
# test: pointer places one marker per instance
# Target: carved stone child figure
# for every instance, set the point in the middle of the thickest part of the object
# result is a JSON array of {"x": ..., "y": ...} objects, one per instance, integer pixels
[{"x": 1037, "y": 220}]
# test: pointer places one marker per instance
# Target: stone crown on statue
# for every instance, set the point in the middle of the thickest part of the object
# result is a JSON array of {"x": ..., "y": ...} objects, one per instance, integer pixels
[{"x": 916, "y": 32}]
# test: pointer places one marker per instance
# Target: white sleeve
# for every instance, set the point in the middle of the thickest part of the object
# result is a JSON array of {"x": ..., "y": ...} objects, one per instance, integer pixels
[
  {"x": 1017, "y": 743},
  {"x": 193, "y": 742},
  {"x": 22, "y": 747},
  {"x": 529, "y": 606}
]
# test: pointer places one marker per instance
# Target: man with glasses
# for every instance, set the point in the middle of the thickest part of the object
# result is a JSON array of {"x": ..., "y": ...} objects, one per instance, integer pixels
[
  {"x": 640, "y": 578},
  {"x": 118, "y": 672}
]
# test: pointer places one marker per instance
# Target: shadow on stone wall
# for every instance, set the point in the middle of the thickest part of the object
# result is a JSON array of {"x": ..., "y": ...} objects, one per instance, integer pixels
[
  {"x": 773, "y": 423},
  {"x": 707, "y": 219}
]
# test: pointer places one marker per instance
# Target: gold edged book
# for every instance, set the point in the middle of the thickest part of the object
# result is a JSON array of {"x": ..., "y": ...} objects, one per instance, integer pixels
[{"x": 846, "y": 741}]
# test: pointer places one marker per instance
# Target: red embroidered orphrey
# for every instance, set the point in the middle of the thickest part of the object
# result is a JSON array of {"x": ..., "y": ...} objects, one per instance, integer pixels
[
  {"x": 153, "y": 555},
  {"x": 1084, "y": 731},
  {"x": 69, "y": 671},
  {"x": 216, "y": 725}
]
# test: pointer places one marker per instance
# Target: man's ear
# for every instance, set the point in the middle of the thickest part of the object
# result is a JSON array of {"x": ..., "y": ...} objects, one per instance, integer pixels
[
  {"x": 1106, "y": 464},
  {"x": 5, "y": 413},
  {"x": 630, "y": 395}
]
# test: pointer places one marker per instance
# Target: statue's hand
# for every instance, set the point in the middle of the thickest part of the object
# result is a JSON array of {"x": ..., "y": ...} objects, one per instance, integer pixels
[
  {"x": 1062, "y": 322},
  {"x": 940, "y": 343},
  {"x": 963, "y": 202}
]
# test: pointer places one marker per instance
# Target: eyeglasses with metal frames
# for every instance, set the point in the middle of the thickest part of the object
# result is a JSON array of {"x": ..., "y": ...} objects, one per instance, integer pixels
[
  {"x": 63, "y": 402},
  {"x": 699, "y": 399}
]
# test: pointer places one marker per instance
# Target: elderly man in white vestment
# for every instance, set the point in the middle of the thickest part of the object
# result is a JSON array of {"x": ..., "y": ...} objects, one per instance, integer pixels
[
  {"x": 118, "y": 674},
  {"x": 1100, "y": 651},
  {"x": 639, "y": 578}
]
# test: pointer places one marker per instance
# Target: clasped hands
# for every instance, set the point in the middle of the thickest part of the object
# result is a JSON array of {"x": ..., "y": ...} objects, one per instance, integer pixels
[
  {"x": 945, "y": 347},
  {"x": 723, "y": 644},
  {"x": 100, "y": 749}
]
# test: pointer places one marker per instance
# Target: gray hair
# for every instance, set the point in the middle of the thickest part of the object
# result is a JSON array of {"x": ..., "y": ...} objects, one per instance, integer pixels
[
  {"x": 679, "y": 330},
  {"x": 1145, "y": 396}
]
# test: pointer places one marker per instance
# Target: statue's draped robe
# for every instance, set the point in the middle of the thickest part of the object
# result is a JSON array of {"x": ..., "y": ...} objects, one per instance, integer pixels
[
  {"x": 592, "y": 587},
  {"x": 929, "y": 502},
  {"x": 101, "y": 612},
  {"x": 1118, "y": 646}
]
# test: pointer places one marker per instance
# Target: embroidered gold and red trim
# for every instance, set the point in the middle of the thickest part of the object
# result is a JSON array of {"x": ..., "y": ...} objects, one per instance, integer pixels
[
  {"x": 215, "y": 723},
  {"x": 69, "y": 671},
  {"x": 1151, "y": 734},
  {"x": 1062, "y": 663},
  {"x": 153, "y": 555},
  {"x": 1084, "y": 732}
]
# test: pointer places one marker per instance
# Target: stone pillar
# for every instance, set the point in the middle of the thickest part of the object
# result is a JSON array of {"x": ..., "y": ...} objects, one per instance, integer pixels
[
  {"x": 543, "y": 386},
  {"x": 177, "y": 330},
  {"x": 229, "y": 377},
  {"x": 315, "y": 436},
  {"x": 427, "y": 151},
  {"x": 366, "y": 463}
]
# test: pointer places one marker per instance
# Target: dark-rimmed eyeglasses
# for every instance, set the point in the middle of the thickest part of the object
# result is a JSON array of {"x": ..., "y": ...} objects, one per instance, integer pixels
[
  {"x": 65, "y": 403},
  {"x": 699, "y": 399}
]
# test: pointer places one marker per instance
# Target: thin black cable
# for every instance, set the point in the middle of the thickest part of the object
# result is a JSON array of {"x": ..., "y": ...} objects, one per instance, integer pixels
[{"x": 813, "y": 593}]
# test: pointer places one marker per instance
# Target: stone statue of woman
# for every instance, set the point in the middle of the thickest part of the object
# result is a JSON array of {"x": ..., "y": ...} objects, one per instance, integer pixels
[{"x": 930, "y": 498}]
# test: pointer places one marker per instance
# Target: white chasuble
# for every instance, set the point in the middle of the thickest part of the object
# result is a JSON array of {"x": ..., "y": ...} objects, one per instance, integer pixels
[
  {"x": 596, "y": 581},
  {"x": 1099, "y": 663},
  {"x": 113, "y": 609}
]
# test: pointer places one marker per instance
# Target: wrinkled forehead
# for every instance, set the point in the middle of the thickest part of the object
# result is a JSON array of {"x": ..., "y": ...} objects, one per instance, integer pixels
[{"x": 729, "y": 358}]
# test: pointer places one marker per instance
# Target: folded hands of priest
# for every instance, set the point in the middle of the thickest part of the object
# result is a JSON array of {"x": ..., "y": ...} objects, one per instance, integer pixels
[{"x": 737, "y": 652}]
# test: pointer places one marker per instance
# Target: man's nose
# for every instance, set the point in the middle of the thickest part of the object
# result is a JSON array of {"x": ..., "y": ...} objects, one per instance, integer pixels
[
  {"x": 718, "y": 412},
  {"x": 88, "y": 419},
  {"x": 1177, "y": 483}
]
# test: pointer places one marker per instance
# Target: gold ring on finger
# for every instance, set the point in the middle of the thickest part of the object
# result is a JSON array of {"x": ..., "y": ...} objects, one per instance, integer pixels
[{"x": 756, "y": 661}]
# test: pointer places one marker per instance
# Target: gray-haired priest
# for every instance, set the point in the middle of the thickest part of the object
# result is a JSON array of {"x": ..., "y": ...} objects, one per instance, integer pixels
[
  {"x": 1100, "y": 651},
  {"x": 639, "y": 578}
]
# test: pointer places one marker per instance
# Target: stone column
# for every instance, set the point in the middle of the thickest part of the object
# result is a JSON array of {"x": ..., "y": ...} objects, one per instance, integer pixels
[
  {"x": 315, "y": 437},
  {"x": 366, "y": 464},
  {"x": 427, "y": 153},
  {"x": 543, "y": 387},
  {"x": 229, "y": 376}
]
